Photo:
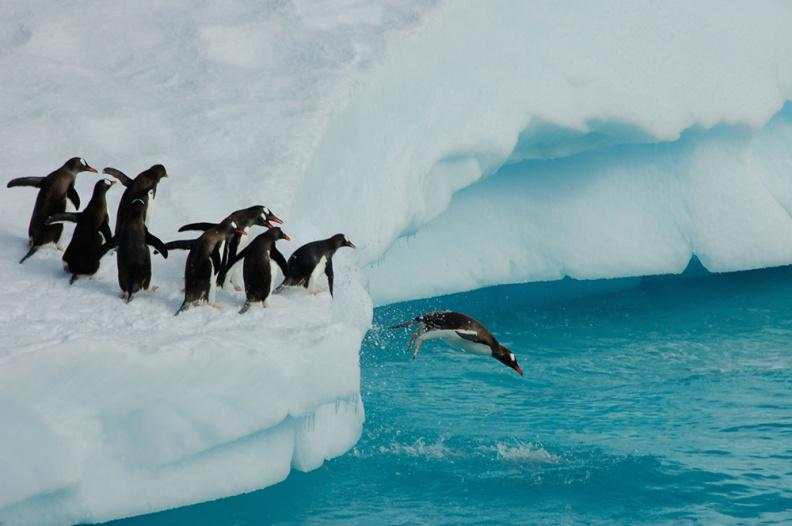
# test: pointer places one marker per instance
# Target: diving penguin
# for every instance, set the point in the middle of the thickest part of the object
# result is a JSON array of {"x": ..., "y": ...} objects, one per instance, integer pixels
[{"x": 461, "y": 332}]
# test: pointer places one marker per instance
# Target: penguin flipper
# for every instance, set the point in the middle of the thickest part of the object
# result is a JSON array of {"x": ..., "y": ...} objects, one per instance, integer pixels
[
  {"x": 329, "y": 273},
  {"x": 26, "y": 181},
  {"x": 107, "y": 247},
  {"x": 70, "y": 217},
  {"x": 230, "y": 263},
  {"x": 118, "y": 174},
  {"x": 471, "y": 336},
  {"x": 181, "y": 244},
  {"x": 203, "y": 227},
  {"x": 105, "y": 230},
  {"x": 73, "y": 196},
  {"x": 279, "y": 259},
  {"x": 157, "y": 243}
]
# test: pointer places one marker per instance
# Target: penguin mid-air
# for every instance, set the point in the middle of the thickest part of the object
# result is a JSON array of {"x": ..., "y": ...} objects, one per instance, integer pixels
[
  {"x": 144, "y": 187},
  {"x": 54, "y": 189},
  {"x": 257, "y": 270},
  {"x": 258, "y": 215},
  {"x": 311, "y": 259},
  {"x": 202, "y": 258},
  {"x": 459, "y": 331},
  {"x": 133, "y": 257},
  {"x": 92, "y": 231}
]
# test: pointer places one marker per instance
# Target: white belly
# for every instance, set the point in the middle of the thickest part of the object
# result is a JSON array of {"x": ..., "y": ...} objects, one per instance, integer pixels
[
  {"x": 318, "y": 280},
  {"x": 454, "y": 340},
  {"x": 235, "y": 274}
]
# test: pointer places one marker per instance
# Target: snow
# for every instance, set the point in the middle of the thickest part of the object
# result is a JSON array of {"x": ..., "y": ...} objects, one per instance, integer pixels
[{"x": 457, "y": 144}]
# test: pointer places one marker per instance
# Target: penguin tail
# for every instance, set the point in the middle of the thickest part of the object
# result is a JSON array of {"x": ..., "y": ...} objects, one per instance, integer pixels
[
  {"x": 244, "y": 308},
  {"x": 73, "y": 279},
  {"x": 183, "y": 307},
  {"x": 30, "y": 252}
]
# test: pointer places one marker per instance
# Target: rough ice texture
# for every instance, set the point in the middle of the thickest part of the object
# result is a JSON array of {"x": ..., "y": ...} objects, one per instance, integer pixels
[
  {"x": 458, "y": 145},
  {"x": 493, "y": 83}
]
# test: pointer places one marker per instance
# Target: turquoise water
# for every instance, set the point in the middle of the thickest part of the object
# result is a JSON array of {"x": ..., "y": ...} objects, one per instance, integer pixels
[{"x": 644, "y": 401}]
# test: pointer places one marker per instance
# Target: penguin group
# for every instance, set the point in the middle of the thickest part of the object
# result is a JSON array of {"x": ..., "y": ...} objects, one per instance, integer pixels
[{"x": 211, "y": 256}]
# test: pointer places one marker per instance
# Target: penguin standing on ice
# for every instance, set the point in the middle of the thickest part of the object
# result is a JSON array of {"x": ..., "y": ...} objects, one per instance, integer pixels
[
  {"x": 311, "y": 259},
  {"x": 202, "y": 257},
  {"x": 54, "y": 189},
  {"x": 92, "y": 231},
  {"x": 257, "y": 269},
  {"x": 459, "y": 331},
  {"x": 144, "y": 187},
  {"x": 245, "y": 218},
  {"x": 133, "y": 257}
]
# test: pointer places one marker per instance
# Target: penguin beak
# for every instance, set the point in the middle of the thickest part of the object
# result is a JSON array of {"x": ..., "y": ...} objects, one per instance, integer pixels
[
  {"x": 89, "y": 168},
  {"x": 286, "y": 237},
  {"x": 517, "y": 368},
  {"x": 349, "y": 244},
  {"x": 272, "y": 218}
]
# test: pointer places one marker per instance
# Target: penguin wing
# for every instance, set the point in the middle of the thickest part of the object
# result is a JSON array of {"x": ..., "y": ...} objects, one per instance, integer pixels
[
  {"x": 70, "y": 217},
  {"x": 73, "y": 196},
  {"x": 105, "y": 230},
  {"x": 203, "y": 227},
  {"x": 329, "y": 274},
  {"x": 118, "y": 174},
  {"x": 471, "y": 336},
  {"x": 279, "y": 259},
  {"x": 180, "y": 244},
  {"x": 107, "y": 247},
  {"x": 230, "y": 263},
  {"x": 36, "y": 182},
  {"x": 157, "y": 243}
]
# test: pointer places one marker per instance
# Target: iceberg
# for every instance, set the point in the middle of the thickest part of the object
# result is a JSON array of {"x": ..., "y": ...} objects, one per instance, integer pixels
[{"x": 458, "y": 144}]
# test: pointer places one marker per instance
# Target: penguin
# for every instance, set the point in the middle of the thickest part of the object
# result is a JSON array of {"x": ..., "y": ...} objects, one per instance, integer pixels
[
  {"x": 92, "y": 231},
  {"x": 311, "y": 258},
  {"x": 247, "y": 217},
  {"x": 459, "y": 331},
  {"x": 257, "y": 270},
  {"x": 54, "y": 189},
  {"x": 133, "y": 257},
  {"x": 144, "y": 187},
  {"x": 200, "y": 262}
]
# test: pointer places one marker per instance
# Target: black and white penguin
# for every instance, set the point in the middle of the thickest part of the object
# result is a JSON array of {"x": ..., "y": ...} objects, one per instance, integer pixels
[
  {"x": 54, "y": 189},
  {"x": 245, "y": 218},
  {"x": 92, "y": 231},
  {"x": 144, "y": 187},
  {"x": 133, "y": 257},
  {"x": 311, "y": 259},
  {"x": 459, "y": 331},
  {"x": 257, "y": 270},
  {"x": 200, "y": 262}
]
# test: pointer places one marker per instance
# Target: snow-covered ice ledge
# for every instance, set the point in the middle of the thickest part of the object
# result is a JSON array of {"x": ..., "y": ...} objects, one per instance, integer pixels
[{"x": 140, "y": 410}]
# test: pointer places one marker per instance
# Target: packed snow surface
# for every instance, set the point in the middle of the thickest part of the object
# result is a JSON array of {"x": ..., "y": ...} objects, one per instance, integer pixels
[{"x": 458, "y": 145}]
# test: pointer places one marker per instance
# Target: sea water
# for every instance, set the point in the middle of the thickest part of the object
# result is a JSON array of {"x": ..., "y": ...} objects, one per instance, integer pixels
[{"x": 654, "y": 400}]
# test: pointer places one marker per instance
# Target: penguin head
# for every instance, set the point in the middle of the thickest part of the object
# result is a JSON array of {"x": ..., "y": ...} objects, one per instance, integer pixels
[
  {"x": 507, "y": 358},
  {"x": 340, "y": 240},
  {"x": 267, "y": 218},
  {"x": 103, "y": 185},
  {"x": 276, "y": 233},
  {"x": 158, "y": 171},
  {"x": 77, "y": 165}
]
